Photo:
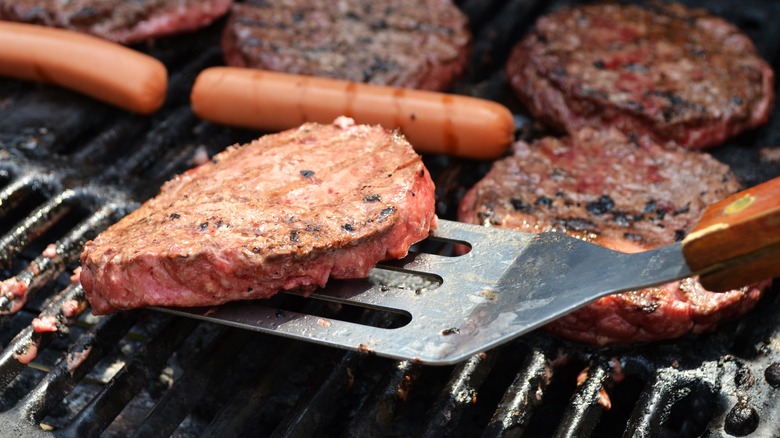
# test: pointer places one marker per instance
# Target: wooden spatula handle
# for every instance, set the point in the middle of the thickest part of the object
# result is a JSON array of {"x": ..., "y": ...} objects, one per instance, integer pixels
[{"x": 737, "y": 240}]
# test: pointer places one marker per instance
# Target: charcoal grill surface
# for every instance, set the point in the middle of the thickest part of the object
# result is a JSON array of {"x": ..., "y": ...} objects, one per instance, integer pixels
[{"x": 70, "y": 166}]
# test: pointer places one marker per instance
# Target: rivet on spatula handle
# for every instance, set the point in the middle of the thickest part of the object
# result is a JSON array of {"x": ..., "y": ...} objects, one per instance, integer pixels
[{"x": 737, "y": 241}]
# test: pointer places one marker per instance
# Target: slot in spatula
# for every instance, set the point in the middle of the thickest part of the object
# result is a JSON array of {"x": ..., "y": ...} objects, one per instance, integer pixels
[{"x": 513, "y": 282}]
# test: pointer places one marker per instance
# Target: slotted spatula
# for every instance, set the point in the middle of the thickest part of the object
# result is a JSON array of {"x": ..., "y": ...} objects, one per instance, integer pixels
[{"x": 512, "y": 282}]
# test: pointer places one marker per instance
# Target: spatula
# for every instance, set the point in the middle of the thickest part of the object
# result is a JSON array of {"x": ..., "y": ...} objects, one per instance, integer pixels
[{"x": 513, "y": 282}]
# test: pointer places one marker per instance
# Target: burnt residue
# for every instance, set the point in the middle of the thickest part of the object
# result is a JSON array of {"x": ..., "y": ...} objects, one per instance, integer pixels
[
  {"x": 634, "y": 237},
  {"x": 621, "y": 219},
  {"x": 519, "y": 205},
  {"x": 576, "y": 224},
  {"x": 450, "y": 331},
  {"x": 772, "y": 375},
  {"x": 601, "y": 205},
  {"x": 543, "y": 201},
  {"x": 742, "y": 419}
]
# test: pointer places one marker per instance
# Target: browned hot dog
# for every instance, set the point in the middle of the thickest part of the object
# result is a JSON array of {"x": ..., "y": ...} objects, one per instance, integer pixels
[
  {"x": 101, "y": 69},
  {"x": 432, "y": 122}
]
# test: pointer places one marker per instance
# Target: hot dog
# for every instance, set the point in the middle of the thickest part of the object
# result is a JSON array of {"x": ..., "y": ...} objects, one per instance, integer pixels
[
  {"x": 101, "y": 69},
  {"x": 432, "y": 122}
]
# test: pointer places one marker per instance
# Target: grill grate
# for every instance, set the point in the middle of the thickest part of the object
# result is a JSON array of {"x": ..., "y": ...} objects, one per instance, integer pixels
[{"x": 69, "y": 167}]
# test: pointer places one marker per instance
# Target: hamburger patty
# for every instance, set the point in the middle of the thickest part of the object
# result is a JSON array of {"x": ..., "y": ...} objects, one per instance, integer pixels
[
  {"x": 672, "y": 73},
  {"x": 626, "y": 195},
  {"x": 286, "y": 211},
  {"x": 124, "y": 22},
  {"x": 404, "y": 43}
]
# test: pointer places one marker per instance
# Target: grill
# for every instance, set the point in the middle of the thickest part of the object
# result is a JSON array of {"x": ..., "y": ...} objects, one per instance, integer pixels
[{"x": 71, "y": 166}]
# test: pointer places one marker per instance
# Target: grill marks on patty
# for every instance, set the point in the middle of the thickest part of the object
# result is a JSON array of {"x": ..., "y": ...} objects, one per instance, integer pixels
[
  {"x": 401, "y": 43},
  {"x": 124, "y": 22},
  {"x": 626, "y": 195},
  {"x": 662, "y": 70},
  {"x": 601, "y": 182},
  {"x": 287, "y": 211},
  {"x": 273, "y": 204}
]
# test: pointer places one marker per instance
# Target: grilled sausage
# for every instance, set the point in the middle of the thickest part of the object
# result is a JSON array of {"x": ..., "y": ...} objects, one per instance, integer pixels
[
  {"x": 101, "y": 69},
  {"x": 432, "y": 122}
]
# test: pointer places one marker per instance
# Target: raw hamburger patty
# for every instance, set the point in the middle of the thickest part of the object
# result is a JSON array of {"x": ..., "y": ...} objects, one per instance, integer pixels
[
  {"x": 407, "y": 43},
  {"x": 661, "y": 70},
  {"x": 628, "y": 196},
  {"x": 124, "y": 22},
  {"x": 286, "y": 211}
]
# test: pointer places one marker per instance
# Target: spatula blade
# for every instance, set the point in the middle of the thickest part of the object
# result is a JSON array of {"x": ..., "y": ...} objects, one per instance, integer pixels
[{"x": 508, "y": 284}]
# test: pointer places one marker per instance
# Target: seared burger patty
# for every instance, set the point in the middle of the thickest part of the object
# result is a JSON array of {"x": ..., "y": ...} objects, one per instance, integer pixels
[
  {"x": 404, "y": 43},
  {"x": 286, "y": 211},
  {"x": 626, "y": 195},
  {"x": 672, "y": 73},
  {"x": 124, "y": 21}
]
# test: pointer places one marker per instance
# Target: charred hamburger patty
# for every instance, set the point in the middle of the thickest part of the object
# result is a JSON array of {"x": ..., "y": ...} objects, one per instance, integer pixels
[
  {"x": 660, "y": 70},
  {"x": 628, "y": 196},
  {"x": 401, "y": 43},
  {"x": 286, "y": 211},
  {"x": 124, "y": 22}
]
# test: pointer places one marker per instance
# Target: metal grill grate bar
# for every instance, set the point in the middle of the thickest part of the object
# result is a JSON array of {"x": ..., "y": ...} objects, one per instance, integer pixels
[
  {"x": 83, "y": 354},
  {"x": 586, "y": 405},
  {"x": 10, "y": 366},
  {"x": 34, "y": 224},
  {"x": 154, "y": 144},
  {"x": 458, "y": 395},
  {"x": 377, "y": 413},
  {"x": 141, "y": 368},
  {"x": 20, "y": 188},
  {"x": 521, "y": 397},
  {"x": 101, "y": 146},
  {"x": 17, "y": 290},
  {"x": 318, "y": 406},
  {"x": 668, "y": 386},
  {"x": 186, "y": 393}
]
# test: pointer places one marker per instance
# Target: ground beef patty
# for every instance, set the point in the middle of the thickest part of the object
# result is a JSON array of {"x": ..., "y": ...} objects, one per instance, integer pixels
[
  {"x": 625, "y": 195},
  {"x": 286, "y": 211},
  {"x": 661, "y": 70},
  {"x": 123, "y": 21},
  {"x": 407, "y": 43}
]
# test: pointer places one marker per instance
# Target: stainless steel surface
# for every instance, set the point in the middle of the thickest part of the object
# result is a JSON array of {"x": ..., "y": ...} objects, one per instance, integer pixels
[{"x": 508, "y": 284}]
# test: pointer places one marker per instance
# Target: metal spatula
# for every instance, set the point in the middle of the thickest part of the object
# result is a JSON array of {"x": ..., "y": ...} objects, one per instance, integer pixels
[{"x": 512, "y": 282}]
